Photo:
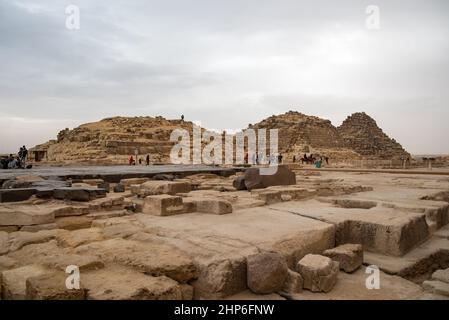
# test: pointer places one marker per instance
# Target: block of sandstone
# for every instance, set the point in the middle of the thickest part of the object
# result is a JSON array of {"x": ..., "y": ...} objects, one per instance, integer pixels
[
  {"x": 349, "y": 256},
  {"x": 213, "y": 206},
  {"x": 120, "y": 283},
  {"x": 441, "y": 275},
  {"x": 127, "y": 183},
  {"x": 163, "y": 205},
  {"x": 39, "y": 227},
  {"x": 266, "y": 272},
  {"x": 293, "y": 283},
  {"x": 74, "y": 223},
  {"x": 4, "y": 245},
  {"x": 156, "y": 187},
  {"x": 436, "y": 287},
  {"x": 239, "y": 183},
  {"x": 52, "y": 286},
  {"x": 14, "y": 281},
  {"x": 25, "y": 216},
  {"x": 281, "y": 175},
  {"x": 269, "y": 196},
  {"x": 319, "y": 272}
]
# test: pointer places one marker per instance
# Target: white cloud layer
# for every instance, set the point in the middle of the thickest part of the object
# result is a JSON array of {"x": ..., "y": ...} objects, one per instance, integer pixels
[{"x": 224, "y": 63}]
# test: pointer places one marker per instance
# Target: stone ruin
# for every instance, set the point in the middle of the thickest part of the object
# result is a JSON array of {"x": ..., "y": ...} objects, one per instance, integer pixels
[
  {"x": 199, "y": 237},
  {"x": 113, "y": 140}
]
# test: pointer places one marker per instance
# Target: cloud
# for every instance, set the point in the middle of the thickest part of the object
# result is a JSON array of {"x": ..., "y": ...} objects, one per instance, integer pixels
[{"x": 226, "y": 64}]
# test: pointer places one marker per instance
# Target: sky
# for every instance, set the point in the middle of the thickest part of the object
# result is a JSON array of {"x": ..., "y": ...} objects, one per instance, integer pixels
[{"x": 225, "y": 64}]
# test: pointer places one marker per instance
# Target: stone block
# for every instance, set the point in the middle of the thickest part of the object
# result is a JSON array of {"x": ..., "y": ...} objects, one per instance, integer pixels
[
  {"x": 16, "y": 195},
  {"x": 266, "y": 272},
  {"x": 281, "y": 176},
  {"x": 319, "y": 272},
  {"x": 52, "y": 286},
  {"x": 163, "y": 205},
  {"x": 14, "y": 281},
  {"x": 349, "y": 256}
]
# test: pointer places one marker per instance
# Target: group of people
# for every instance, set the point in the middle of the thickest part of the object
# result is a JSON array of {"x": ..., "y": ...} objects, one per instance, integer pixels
[
  {"x": 132, "y": 161},
  {"x": 263, "y": 159},
  {"x": 312, "y": 159},
  {"x": 15, "y": 162}
]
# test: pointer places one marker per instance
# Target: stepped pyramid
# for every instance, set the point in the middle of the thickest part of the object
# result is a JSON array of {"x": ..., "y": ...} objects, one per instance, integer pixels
[{"x": 360, "y": 133}]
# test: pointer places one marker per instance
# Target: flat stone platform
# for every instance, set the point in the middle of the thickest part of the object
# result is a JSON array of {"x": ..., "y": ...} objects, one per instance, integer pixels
[{"x": 115, "y": 173}]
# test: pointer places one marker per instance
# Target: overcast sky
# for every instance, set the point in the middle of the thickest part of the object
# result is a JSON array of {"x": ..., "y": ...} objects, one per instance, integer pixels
[{"x": 224, "y": 63}]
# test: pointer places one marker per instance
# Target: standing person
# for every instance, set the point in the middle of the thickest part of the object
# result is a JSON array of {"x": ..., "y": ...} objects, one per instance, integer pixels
[
  {"x": 140, "y": 161},
  {"x": 148, "y": 160},
  {"x": 294, "y": 158},
  {"x": 131, "y": 160},
  {"x": 182, "y": 117},
  {"x": 24, "y": 154},
  {"x": 327, "y": 160},
  {"x": 20, "y": 153}
]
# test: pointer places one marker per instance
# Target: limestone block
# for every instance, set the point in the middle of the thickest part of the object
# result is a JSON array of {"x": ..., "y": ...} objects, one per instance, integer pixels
[
  {"x": 266, "y": 272},
  {"x": 349, "y": 256},
  {"x": 319, "y": 272},
  {"x": 163, "y": 205}
]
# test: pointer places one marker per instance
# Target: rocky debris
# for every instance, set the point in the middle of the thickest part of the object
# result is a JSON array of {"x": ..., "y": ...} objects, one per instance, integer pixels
[
  {"x": 163, "y": 205},
  {"x": 4, "y": 245},
  {"x": 255, "y": 179},
  {"x": 360, "y": 133},
  {"x": 6, "y": 263},
  {"x": 266, "y": 272},
  {"x": 294, "y": 283},
  {"x": 349, "y": 256},
  {"x": 165, "y": 177},
  {"x": 52, "y": 286},
  {"x": 319, "y": 272},
  {"x": 118, "y": 283},
  {"x": 14, "y": 281},
  {"x": 151, "y": 258}
]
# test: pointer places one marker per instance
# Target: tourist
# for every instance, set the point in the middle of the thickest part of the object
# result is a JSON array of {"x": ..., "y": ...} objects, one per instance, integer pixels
[
  {"x": 148, "y": 160},
  {"x": 24, "y": 154},
  {"x": 140, "y": 161},
  {"x": 294, "y": 158},
  {"x": 13, "y": 164},
  {"x": 327, "y": 160},
  {"x": 131, "y": 160},
  {"x": 182, "y": 117}
]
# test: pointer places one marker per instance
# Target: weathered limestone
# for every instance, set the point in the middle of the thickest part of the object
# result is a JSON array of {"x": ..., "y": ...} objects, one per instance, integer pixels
[
  {"x": 4, "y": 245},
  {"x": 78, "y": 194},
  {"x": 163, "y": 205},
  {"x": 7, "y": 263},
  {"x": 118, "y": 283},
  {"x": 39, "y": 227},
  {"x": 79, "y": 237},
  {"x": 151, "y": 258},
  {"x": 74, "y": 223},
  {"x": 239, "y": 183},
  {"x": 293, "y": 283},
  {"x": 270, "y": 197},
  {"x": 267, "y": 272},
  {"x": 213, "y": 206},
  {"x": 19, "y": 239},
  {"x": 349, "y": 256},
  {"x": 441, "y": 275},
  {"x": 24, "y": 216},
  {"x": 156, "y": 187},
  {"x": 282, "y": 176},
  {"x": 52, "y": 286},
  {"x": 437, "y": 287},
  {"x": 14, "y": 281},
  {"x": 319, "y": 272},
  {"x": 119, "y": 188},
  {"x": 127, "y": 183},
  {"x": 83, "y": 262}
]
